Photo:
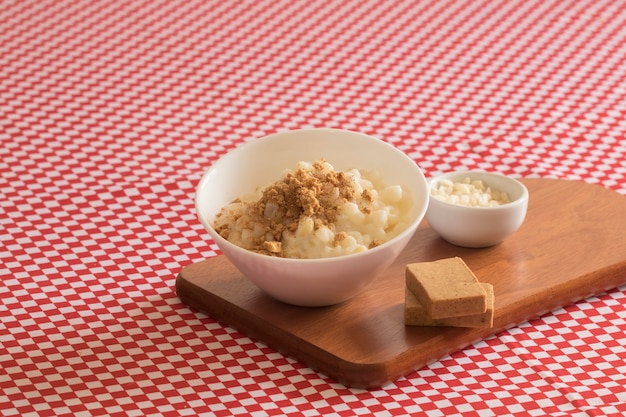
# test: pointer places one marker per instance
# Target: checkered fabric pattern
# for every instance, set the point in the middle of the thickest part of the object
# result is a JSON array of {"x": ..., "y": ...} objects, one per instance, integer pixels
[{"x": 110, "y": 111}]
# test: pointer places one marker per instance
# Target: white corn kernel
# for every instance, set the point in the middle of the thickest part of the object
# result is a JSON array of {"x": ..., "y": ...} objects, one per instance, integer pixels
[{"x": 468, "y": 193}]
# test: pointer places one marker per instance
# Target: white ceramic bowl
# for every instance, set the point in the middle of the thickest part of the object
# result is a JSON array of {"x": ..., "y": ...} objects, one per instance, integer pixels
[
  {"x": 477, "y": 227},
  {"x": 309, "y": 282}
]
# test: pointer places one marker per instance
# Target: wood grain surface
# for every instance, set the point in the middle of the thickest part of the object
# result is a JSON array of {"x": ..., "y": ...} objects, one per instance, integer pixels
[{"x": 571, "y": 246}]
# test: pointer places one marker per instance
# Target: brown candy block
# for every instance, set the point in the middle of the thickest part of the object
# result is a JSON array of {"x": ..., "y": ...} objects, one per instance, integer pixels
[
  {"x": 416, "y": 315},
  {"x": 446, "y": 288}
]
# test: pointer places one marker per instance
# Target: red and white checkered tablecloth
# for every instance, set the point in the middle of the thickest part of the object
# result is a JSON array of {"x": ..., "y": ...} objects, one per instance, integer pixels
[{"x": 110, "y": 111}]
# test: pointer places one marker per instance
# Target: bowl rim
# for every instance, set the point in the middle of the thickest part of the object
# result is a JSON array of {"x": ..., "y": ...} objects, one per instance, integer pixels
[{"x": 409, "y": 230}]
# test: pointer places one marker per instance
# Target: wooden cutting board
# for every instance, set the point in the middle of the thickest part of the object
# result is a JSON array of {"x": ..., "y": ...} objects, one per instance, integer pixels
[{"x": 571, "y": 246}]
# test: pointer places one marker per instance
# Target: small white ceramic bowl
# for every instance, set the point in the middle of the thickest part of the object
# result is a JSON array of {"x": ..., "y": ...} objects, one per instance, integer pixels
[
  {"x": 309, "y": 282},
  {"x": 478, "y": 227}
]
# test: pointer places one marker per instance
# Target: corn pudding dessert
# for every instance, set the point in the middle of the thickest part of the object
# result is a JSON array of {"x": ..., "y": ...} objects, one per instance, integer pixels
[{"x": 315, "y": 211}]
